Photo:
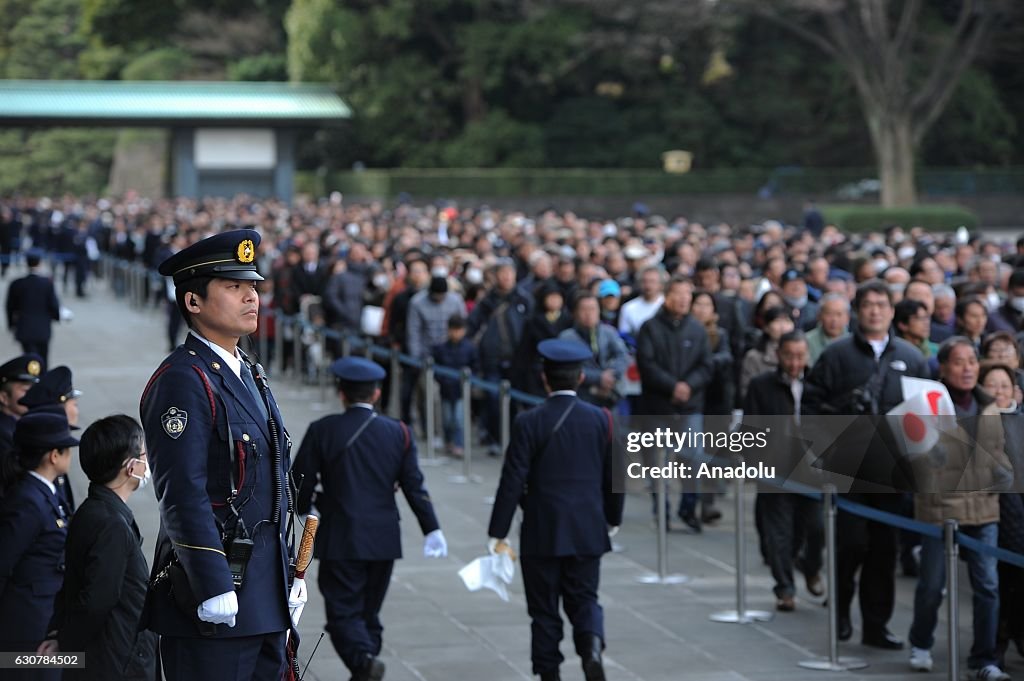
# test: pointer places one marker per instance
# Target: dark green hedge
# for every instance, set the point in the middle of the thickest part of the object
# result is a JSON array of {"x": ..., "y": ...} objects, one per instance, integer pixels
[{"x": 935, "y": 217}]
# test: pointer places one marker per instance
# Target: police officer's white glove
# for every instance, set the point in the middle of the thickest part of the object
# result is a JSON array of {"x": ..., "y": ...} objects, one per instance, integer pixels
[
  {"x": 492, "y": 545},
  {"x": 434, "y": 545},
  {"x": 219, "y": 609},
  {"x": 297, "y": 600},
  {"x": 612, "y": 531}
]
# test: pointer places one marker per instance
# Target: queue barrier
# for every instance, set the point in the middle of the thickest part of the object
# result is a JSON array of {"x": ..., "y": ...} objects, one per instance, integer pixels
[{"x": 953, "y": 539}]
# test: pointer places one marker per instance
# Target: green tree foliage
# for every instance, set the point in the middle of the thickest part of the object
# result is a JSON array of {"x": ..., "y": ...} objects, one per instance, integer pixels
[{"x": 52, "y": 162}]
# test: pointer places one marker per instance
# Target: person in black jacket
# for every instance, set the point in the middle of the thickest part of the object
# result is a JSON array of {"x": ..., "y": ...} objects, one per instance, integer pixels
[
  {"x": 860, "y": 374},
  {"x": 786, "y": 520},
  {"x": 675, "y": 365},
  {"x": 458, "y": 353},
  {"x": 31, "y": 307},
  {"x": 548, "y": 320},
  {"x": 97, "y": 610}
]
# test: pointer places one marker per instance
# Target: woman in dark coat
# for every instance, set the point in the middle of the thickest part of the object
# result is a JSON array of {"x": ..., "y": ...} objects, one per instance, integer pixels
[
  {"x": 33, "y": 531},
  {"x": 98, "y": 609},
  {"x": 549, "y": 319}
]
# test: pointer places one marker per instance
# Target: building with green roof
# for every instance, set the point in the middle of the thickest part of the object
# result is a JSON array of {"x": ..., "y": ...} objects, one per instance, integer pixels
[{"x": 226, "y": 137}]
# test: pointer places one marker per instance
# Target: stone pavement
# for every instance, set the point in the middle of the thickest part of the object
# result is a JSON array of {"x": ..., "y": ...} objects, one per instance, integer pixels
[{"x": 435, "y": 629}]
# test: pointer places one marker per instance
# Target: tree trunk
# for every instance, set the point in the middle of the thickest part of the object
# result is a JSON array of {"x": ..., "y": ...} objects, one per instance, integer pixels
[
  {"x": 474, "y": 106},
  {"x": 895, "y": 150}
]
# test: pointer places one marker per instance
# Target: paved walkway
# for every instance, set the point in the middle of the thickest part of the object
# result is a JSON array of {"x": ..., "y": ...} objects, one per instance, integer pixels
[{"x": 435, "y": 629}]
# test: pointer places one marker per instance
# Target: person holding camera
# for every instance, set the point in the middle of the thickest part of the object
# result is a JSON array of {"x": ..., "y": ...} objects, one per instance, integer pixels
[
  {"x": 860, "y": 375},
  {"x": 219, "y": 595}
]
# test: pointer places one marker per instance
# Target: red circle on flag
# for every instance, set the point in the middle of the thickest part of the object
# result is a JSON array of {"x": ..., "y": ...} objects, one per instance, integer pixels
[{"x": 914, "y": 427}]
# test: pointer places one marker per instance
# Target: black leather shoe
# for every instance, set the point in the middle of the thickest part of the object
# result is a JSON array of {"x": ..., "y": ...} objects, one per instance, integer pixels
[
  {"x": 883, "y": 639},
  {"x": 372, "y": 670},
  {"x": 844, "y": 630},
  {"x": 690, "y": 520},
  {"x": 593, "y": 669}
]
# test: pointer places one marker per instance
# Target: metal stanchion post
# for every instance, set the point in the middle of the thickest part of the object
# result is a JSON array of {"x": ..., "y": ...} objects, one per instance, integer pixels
[
  {"x": 428, "y": 399},
  {"x": 262, "y": 346},
  {"x": 321, "y": 367},
  {"x": 467, "y": 430},
  {"x": 279, "y": 328},
  {"x": 662, "y": 576},
  {"x": 833, "y": 663},
  {"x": 741, "y": 615},
  {"x": 505, "y": 407},
  {"x": 297, "y": 349},
  {"x": 395, "y": 404},
  {"x": 949, "y": 530}
]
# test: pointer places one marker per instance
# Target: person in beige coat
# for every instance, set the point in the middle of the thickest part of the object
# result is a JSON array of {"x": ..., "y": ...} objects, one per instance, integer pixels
[{"x": 960, "y": 480}]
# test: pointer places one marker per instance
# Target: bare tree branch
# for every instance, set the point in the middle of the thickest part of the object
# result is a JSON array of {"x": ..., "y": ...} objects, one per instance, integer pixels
[{"x": 905, "y": 29}]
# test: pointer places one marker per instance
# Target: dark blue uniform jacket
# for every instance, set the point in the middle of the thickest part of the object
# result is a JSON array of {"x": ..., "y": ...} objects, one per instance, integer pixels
[
  {"x": 193, "y": 403},
  {"x": 359, "y": 515},
  {"x": 32, "y": 536},
  {"x": 563, "y": 480}
]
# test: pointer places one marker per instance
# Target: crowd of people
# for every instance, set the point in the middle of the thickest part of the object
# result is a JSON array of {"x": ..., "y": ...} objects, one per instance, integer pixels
[{"x": 681, "y": 319}]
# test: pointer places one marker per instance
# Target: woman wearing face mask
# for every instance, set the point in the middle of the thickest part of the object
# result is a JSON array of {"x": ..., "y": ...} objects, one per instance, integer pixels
[
  {"x": 997, "y": 380},
  {"x": 97, "y": 610}
]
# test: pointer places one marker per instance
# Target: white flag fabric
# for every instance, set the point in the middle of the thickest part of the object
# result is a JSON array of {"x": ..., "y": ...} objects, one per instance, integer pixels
[
  {"x": 492, "y": 572},
  {"x": 926, "y": 411}
]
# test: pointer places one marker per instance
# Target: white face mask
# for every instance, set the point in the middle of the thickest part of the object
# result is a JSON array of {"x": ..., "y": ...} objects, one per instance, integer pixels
[
  {"x": 439, "y": 271},
  {"x": 474, "y": 276},
  {"x": 1017, "y": 304},
  {"x": 143, "y": 479},
  {"x": 992, "y": 301}
]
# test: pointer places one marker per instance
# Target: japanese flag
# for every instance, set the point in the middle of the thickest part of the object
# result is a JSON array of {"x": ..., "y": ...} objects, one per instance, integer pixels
[{"x": 925, "y": 412}]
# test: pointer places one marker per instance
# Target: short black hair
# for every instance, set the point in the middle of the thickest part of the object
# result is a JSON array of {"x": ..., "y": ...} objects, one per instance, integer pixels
[
  {"x": 795, "y": 336},
  {"x": 905, "y": 309},
  {"x": 456, "y": 322},
  {"x": 106, "y": 444},
  {"x": 580, "y": 297},
  {"x": 946, "y": 349},
  {"x": 199, "y": 286},
  {"x": 871, "y": 286},
  {"x": 562, "y": 376},
  {"x": 358, "y": 391},
  {"x": 33, "y": 259},
  {"x": 1016, "y": 278}
]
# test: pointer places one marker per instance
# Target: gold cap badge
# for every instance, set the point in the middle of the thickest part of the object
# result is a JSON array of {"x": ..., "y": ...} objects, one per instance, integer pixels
[
  {"x": 246, "y": 251},
  {"x": 34, "y": 368}
]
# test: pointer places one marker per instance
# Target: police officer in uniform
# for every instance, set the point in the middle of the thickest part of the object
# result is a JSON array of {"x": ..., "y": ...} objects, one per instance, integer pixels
[
  {"x": 220, "y": 594},
  {"x": 16, "y": 377},
  {"x": 359, "y": 457},
  {"x": 33, "y": 531},
  {"x": 558, "y": 467},
  {"x": 54, "y": 393}
]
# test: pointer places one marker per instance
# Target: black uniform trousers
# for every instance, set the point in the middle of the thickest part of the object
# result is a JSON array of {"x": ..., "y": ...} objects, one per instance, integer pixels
[
  {"x": 574, "y": 580},
  {"x": 790, "y": 523},
  {"x": 353, "y": 593},
  {"x": 259, "y": 658},
  {"x": 870, "y": 547}
]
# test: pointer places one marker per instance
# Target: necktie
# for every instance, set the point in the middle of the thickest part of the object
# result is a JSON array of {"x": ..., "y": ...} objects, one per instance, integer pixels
[{"x": 250, "y": 383}]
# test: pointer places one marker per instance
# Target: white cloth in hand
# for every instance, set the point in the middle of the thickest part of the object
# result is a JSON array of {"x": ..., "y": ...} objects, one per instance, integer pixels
[
  {"x": 297, "y": 600},
  {"x": 434, "y": 545},
  {"x": 494, "y": 572},
  {"x": 612, "y": 531},
  {"x": 219, "y": 609}
]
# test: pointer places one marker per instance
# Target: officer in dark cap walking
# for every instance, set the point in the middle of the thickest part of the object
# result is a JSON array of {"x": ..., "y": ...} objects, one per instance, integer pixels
[
  {"x": 220, "y": 595},
  {"x": 16, "y": 377},
  {"x": 358, "y": 458},
  {"x": 55, "y": 394},
  {"x": 33, "y": 531},
  {"x": 558, "y": 467}
]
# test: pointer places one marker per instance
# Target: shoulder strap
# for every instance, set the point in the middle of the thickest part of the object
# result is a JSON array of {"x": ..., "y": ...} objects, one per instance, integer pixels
[
  {"x": 213, "y": 394},
  {"x": 359, "y": 431}
]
